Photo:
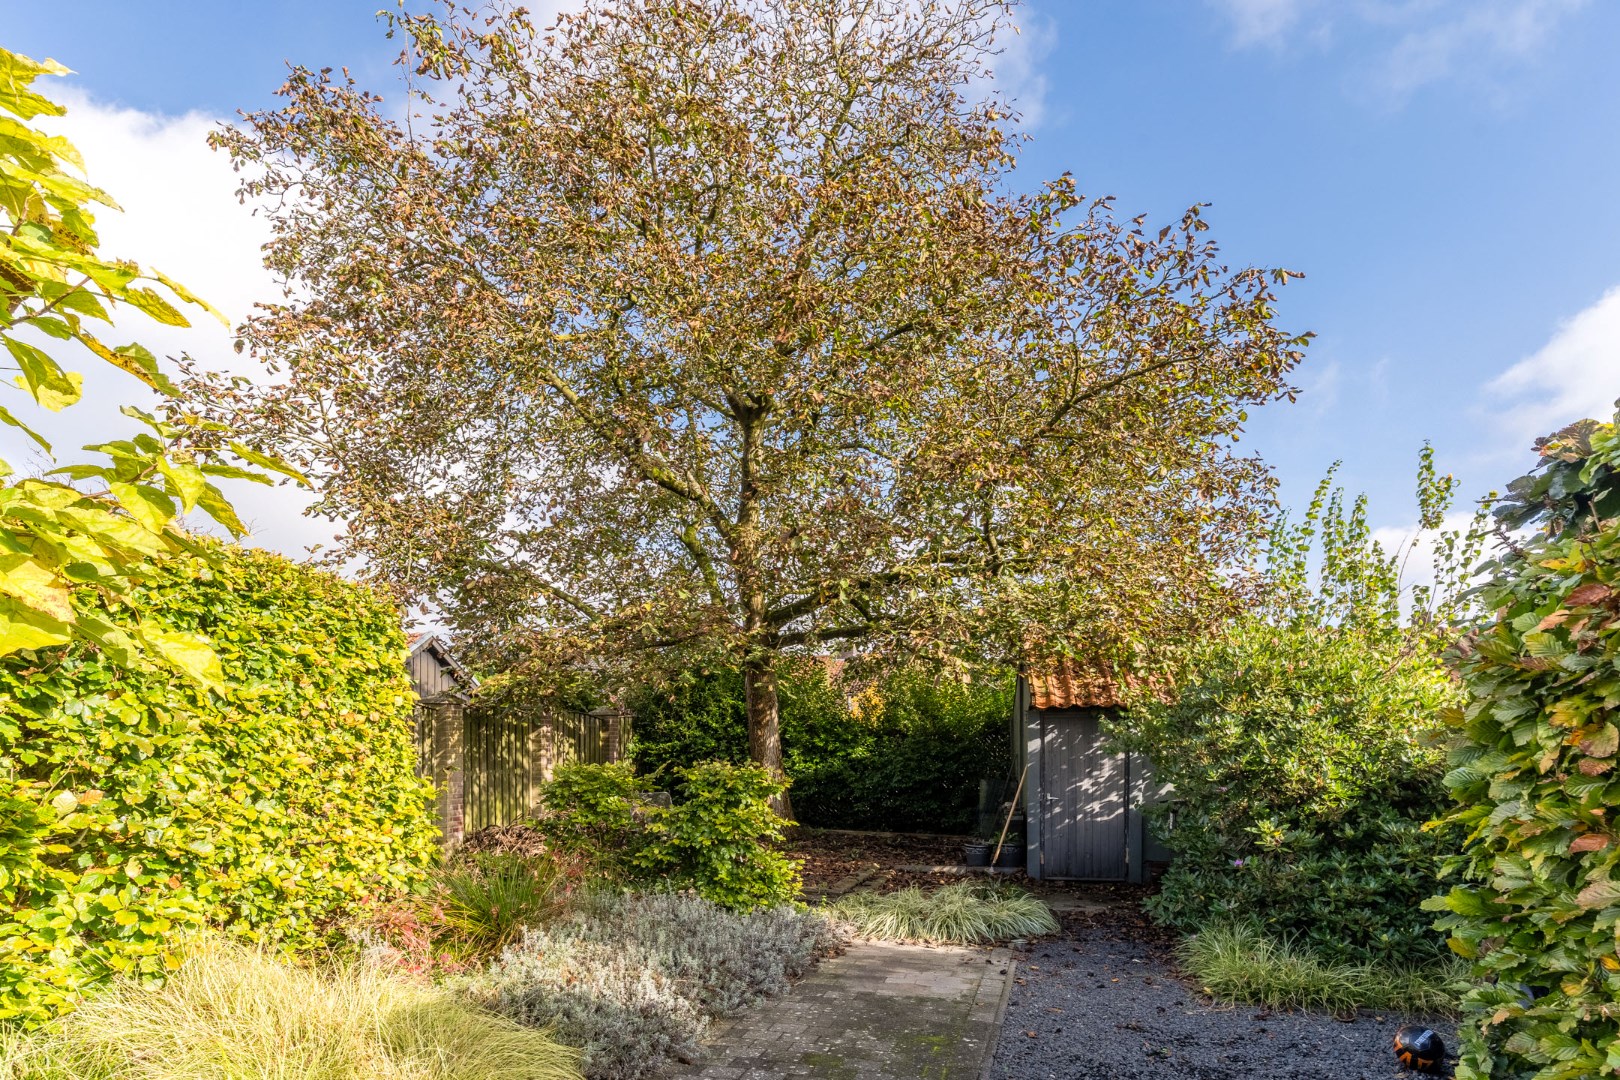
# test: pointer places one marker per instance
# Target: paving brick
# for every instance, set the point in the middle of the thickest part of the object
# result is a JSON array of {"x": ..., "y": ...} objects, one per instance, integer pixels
[{"x": 879, "y": 1012}]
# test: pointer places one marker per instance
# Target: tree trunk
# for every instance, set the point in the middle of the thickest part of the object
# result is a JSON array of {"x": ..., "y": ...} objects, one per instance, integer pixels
[{"x": 764, "y": 724}]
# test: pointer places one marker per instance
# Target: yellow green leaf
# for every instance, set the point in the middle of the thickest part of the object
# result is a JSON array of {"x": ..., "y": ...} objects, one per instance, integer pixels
[
  {"x": 25, "y": 579},
  {"x": 22, "y": 628},
  {"x": 187, "y": 481},
  {"x": 191, "y": 654},
  {"x": 43, "y": 377},
  {"x": 154, "y": 509}
]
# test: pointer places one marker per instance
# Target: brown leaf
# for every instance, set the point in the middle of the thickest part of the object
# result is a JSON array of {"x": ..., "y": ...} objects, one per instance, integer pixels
[
  {"x": 1553, "y": 620},
  {"x": 1595, "y": 767},
  {"x": 1589, "y": 842},
  {"x": 1592, "y": 593},
  {"x": 1602, "y": 743}
]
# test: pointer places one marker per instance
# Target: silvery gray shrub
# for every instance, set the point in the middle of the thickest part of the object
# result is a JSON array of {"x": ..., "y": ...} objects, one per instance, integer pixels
[{"x": 634, "y": 979}]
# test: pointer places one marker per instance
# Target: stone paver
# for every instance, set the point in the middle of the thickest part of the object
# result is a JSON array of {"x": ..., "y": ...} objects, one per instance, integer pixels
[{"x": 879, "y": 1012}]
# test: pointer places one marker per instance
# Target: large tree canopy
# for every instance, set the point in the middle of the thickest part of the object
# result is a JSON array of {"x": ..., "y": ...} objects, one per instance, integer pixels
[{"x": 722, "y": 324}]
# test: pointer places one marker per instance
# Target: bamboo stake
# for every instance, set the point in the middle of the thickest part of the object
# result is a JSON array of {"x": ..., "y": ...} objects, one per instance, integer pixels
[{"x": 1012, "y": 808}]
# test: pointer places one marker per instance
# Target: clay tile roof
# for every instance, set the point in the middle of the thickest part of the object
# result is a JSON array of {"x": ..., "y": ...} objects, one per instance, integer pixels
[{"x": 1069, "y": 684}]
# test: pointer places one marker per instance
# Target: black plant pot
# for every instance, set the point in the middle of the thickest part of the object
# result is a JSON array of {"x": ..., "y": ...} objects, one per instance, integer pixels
[
  {"x": 977, "y": 854},
  {"x": 1012, "y": 854}
]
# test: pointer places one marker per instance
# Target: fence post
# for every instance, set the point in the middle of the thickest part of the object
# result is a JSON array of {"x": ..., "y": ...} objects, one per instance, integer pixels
[
  {"x": 616, "y": 723},
  {"x": 449, "y": 770}
]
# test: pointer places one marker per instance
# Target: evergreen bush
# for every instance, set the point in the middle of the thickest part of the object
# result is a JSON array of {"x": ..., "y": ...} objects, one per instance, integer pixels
[
  {"x": 135, "y": 807},
  {"x": 906, "y": 754},
  {"x": 1302, "y": 742},
  {"x": 1537, "y": 903},
  {"x": 1302, "y": 783}
]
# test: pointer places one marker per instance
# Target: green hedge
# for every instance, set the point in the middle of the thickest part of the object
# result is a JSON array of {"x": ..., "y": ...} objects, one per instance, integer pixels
[
  {"x": 1533, "y": 772},
  {"x": 135, "y": 807},
  {"x": 908, "y": 755}
]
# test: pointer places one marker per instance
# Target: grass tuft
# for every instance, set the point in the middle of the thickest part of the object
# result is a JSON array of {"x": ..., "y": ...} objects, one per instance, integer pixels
[
  {"x": 1238, "y": 963},
  {"x": 232, "y": 1013},
  {"x": 486, "y": 900},
  {"x": 968, "y": 914}
]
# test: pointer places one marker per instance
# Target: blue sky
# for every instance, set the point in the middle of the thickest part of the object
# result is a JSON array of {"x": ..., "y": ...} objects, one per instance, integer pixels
[{"x": 1445, "y": 172}]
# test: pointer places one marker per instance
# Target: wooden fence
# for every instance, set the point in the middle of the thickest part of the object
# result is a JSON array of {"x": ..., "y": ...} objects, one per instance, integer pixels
[{"x": 488, "y": 766}]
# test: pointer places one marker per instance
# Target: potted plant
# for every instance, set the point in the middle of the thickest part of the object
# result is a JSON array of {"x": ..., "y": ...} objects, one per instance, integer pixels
[{"x": 977, "y": 852}]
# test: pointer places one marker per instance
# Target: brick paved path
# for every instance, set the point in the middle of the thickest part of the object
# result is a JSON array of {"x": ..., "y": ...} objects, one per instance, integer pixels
[{"x": 895, "y": 1012}]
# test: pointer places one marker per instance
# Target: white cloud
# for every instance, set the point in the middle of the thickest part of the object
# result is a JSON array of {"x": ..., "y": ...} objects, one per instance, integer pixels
[
  {"x": 1319, "y": 387},
  {"x": 1398, "y": 46},
  {"x": 1263, "y": 21},
  {"x": 1018, "y": 75},
  {"x": 180, "y": 215},
  {"x": 1483, "y": 33},
  {"x": 1575, "y": 375}
]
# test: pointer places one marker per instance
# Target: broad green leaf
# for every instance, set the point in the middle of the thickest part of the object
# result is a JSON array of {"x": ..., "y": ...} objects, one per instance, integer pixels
[
  {"x": 190, "y": 297},
  {"x": 187, "y": 652},
  {"x": 154, "y": 509},
  {"x": 7, "y": 418},
  {"x": 155, "y": 306},
  {"x": 187, "y": 481},
  {"x": 25, "y": 579},
  {"x": 231, "y": 472},
  {"x": 24, "y": 628},
  {"x": 44, "y": 378},
  {"x": 265, "y": 461},
  {"x": 219, "y": 508}
]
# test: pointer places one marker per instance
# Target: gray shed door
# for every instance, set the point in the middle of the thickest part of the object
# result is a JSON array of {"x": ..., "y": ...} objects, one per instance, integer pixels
[{"x": 1082, "y": 801}]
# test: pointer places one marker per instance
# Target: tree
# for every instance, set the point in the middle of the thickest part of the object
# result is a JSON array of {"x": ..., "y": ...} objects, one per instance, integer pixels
[
  {"x": 54, "y": 286},
  {"x": 716, "y": 324}
]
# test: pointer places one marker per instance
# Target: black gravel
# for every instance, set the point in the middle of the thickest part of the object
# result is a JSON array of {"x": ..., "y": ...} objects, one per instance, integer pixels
[{"x": 1102, "y": 1003}]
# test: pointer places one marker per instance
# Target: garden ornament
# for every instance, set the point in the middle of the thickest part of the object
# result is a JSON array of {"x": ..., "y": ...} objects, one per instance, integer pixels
[{"x": 1419, "y": 1049}]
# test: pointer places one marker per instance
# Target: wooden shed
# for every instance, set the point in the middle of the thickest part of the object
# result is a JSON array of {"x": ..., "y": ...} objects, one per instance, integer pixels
[{"x": 1083, "y": 806}]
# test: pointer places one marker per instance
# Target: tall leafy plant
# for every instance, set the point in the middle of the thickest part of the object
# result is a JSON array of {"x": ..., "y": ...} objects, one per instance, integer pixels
[
  {"x": 55, "y": 288},
  {"x": 1301, "y": 741},
  {"x": 1536, "y": 906}
]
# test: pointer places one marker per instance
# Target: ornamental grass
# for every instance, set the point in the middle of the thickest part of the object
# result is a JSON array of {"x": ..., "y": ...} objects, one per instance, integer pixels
[
  {"x": 233, "y": 1013},
  {"x": 1236, "y": 963},
  {"x": 967, "y": 914}
]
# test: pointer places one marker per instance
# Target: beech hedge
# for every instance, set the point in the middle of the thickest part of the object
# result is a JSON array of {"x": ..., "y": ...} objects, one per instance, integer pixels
[
  {"x": 1537, "y": 903},
  {"x": 136, "y": 807}
]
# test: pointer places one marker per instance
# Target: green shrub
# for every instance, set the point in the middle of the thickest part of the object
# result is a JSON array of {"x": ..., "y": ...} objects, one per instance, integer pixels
[
  {"x": 1302, "y": 782},
  {"x": 1237, "y": 963},
  {"x": 595, "y": 810},
  {"x": 1533, "y": 772},
  {"x": 1301, "y": 741},
  {"x": 232, "y": 1012},
  {"x": 633, "y": 980},
  {"x": 908, "y": 755},
  {"x": 135, "y": 808},
  {"x": 966, "y": 914},
  {"x": 719, "y": 839}
]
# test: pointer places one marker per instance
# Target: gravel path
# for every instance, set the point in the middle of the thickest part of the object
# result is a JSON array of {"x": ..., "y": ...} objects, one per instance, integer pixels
[{"x": 1101, "y": 1004}]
